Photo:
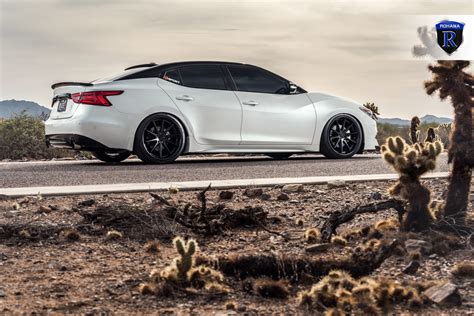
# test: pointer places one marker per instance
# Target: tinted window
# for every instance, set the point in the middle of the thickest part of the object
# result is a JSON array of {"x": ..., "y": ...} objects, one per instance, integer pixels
[
  {"x": 203, "y": 77},
  {"x": 252, "y": 79},
  {"x": 171, "y": 75}
]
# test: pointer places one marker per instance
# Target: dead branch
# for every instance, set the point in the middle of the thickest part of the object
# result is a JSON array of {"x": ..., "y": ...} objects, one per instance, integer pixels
[
  {"x": 340, "y": 217},
  {"x": 292, "y": 267}
]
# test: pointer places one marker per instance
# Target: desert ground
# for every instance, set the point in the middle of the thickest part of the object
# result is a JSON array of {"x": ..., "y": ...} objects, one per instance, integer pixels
[{"x": 90, "y": 254}]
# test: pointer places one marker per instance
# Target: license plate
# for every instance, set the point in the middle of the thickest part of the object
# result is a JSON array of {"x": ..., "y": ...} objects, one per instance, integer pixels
[{"x": 62, "y": 105}]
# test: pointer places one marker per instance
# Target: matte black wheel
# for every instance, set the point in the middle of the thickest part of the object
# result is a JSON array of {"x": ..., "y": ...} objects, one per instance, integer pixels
[
  {"x": 111, "y": 156},
  {"x": 160, "y": 138},
  {"x": 342, "y": 137},
  {"x": 279, "y": 155}
]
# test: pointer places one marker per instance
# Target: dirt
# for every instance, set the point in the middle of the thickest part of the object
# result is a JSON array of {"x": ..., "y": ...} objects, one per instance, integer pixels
[{"x": 45, "y": 270}]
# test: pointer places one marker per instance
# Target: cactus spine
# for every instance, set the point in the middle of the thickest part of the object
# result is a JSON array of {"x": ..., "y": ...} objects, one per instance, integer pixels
[
  {"x": 450, "y": 80},
  {"x": 412, "y": 161}
]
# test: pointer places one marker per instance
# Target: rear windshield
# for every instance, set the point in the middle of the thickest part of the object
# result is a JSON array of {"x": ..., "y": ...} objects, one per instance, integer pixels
[{"x": 118, "y": 75}]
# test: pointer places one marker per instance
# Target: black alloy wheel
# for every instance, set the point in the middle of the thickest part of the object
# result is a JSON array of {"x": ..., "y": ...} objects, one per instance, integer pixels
[
  {"x": 342, "y": 137},
  {"x": 160, "y": 139}
]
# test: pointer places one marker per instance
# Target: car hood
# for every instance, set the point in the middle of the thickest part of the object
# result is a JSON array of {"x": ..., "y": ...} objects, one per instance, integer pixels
[{"x": 316, "y": 97}]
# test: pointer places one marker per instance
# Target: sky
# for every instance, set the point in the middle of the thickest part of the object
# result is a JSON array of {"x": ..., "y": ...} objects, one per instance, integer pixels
[{"x": 349, "y": 48}]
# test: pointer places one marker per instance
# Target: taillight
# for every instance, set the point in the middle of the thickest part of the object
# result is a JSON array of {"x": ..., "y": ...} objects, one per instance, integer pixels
[{"x": 94, "y": 97}]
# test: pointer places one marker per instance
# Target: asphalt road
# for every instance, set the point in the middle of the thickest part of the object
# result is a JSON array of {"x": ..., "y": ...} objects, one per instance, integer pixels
[{"x": 56, "y": 173}]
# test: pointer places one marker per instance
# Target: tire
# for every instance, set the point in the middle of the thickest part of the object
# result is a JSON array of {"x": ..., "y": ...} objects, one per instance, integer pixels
[
  {"x": 279, "y": 155},
  {"x": 342, "y": 137},
  {"x": 159, "y": 139},
  {"x": 111, "y": 156}
]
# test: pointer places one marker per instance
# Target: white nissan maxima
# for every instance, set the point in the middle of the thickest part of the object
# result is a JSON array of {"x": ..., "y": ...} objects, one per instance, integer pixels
[{"x": 160, "y": 112}]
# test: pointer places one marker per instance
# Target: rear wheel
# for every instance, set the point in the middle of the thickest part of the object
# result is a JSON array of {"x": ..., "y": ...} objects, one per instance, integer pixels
[
  {"x": 111, "y": 156},
  {"x": 160, "y": 138},
  {"x": 342, "y": 137},
  {"x": 279, "y": 155}
]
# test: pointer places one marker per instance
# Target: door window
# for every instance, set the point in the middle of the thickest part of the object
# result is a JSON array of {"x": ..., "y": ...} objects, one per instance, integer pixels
[
  {"x": 203, "y": 77},
  {"x": 252, "y": 79}
]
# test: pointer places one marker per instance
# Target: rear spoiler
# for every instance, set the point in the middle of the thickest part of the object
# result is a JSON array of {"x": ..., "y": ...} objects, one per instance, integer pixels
[{"x": 63, "y": 84}]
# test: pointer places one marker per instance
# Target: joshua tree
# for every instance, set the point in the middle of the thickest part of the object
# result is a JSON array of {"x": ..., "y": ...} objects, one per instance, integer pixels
[
  {"x": 372, "y": 107},
  {"x": 414, "y": 132},
  {"x": 450, "y": 80},
  {"x": 412, "y": 161}
]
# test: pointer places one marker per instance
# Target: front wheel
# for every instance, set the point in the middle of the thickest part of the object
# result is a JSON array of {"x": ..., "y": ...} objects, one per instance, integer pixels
[
  {"x": 111, "y": 156},
  {"x": 160, "y": 138},
  {"x": 342, "y": 137}
]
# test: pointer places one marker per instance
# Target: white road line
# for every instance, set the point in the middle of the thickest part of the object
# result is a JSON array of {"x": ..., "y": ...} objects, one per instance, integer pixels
[{"x": 192, "y": 185}]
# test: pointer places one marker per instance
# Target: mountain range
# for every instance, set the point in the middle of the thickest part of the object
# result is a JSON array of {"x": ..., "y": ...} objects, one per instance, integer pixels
[
  {"x": 10, "y": 108},
  {"x": 424, "y": 119}
]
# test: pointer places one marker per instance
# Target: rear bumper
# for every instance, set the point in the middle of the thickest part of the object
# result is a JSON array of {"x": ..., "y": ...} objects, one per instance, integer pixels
[
  {"x": 74, "y": 141},
  {"x": 93, "y": 127}
]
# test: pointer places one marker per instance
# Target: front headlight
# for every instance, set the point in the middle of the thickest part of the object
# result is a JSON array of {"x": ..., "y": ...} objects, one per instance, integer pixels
[{"x": 368, "y": 112}]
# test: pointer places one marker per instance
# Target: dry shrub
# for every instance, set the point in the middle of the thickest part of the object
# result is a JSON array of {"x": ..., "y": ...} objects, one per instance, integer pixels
[{"x": 23, "y": 137}]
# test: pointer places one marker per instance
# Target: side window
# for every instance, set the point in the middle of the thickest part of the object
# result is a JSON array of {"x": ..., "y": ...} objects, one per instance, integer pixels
[
  {"x": 203, "y": 77},
  {"x": 171, "y": 75},
  {"x": 251, "y": 79}
]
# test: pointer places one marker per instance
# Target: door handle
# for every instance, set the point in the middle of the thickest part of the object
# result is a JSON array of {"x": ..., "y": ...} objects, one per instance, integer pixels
[
  {"x": 251, "y": 103},
  {"x": 185, "y": 98}
]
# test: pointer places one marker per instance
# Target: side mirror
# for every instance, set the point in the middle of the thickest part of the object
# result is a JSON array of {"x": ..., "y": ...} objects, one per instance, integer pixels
[{"x": 293, "y": 88}]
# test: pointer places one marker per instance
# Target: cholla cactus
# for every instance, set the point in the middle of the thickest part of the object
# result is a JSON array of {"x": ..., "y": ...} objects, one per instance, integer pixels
[
  {"x": 372, "y": 107},
  {"x": 450, "y": 80},
  {"x": 412, "y": 161},
  {"x": 414, "y": 132},
  {"x": 183, "y": 272},
  {"x": 186, "y": 261},
  {"x": 431, "y": 135}
]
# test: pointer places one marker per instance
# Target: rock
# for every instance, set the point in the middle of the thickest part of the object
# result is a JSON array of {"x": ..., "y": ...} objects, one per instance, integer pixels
[
  {"x": 444, "y": 294},
  {"x": 376, "y": 196},
  {"x": 88, "y": 202},
  {"x": 265, "y": 196},
  {"x": 336, "y": 184},
  {"x": 471, "y": 197},
  {"x": 44, "y": 209},
  {"x": 226, "y": 195},
  {"x": 317, "y": 247},
  {"x": 283, "y": 197},
  {"x": 414, "y": 245},
  {"x": 253, "y": 192},
  {"x": 412, "y": 267},
  {"x": 290, "y": 188},
  {"x": 2, "y": 293},
  {"x": 294, "y": 202}
]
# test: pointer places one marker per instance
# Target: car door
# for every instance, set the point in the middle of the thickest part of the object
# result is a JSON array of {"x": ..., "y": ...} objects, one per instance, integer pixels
[
  {"x": 203, "y": 95},
  {"x": 271, "y": 115}
]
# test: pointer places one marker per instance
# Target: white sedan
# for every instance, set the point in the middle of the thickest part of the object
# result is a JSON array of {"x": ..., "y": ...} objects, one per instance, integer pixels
[{"x": 160, "y": 112}]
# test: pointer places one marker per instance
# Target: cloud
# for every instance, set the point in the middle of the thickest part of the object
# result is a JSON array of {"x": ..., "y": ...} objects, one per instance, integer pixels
[{"x": 340, "y": 46}]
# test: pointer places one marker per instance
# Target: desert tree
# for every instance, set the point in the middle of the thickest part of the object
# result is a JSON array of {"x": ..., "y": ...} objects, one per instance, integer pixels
[
  {"x": 451, "y": 80},
  {"x": 372, "y": 107}
]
